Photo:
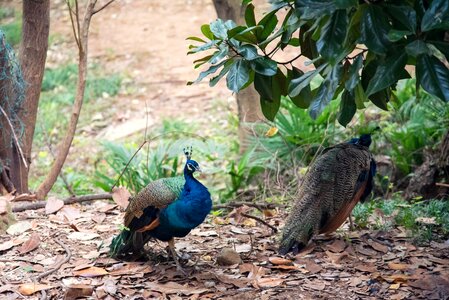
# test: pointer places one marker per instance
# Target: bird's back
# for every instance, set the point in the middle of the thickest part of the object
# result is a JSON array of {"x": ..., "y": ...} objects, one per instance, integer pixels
[{"x": 327, "y": 194}]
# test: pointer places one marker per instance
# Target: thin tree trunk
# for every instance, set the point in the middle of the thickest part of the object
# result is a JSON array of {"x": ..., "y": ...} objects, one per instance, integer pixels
[
  {"x": 248, "y": 102},
  {"x": 33, "y": 53}
]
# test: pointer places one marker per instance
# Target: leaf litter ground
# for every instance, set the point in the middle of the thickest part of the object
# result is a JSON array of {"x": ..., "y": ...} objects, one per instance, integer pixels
[{"x": 64, "y": 254}]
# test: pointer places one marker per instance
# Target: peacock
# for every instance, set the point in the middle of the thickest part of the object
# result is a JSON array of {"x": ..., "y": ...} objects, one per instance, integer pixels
[
  {"x": 339, "y": 178},
  {"x": 166, "y": 208}
]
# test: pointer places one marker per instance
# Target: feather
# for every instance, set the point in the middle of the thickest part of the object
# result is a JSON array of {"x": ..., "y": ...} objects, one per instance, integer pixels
[{"x": 339, "y": 178}]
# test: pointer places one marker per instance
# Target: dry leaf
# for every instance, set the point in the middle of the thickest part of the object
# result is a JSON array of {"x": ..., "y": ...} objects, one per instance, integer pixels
[
  {"x": 395, "y": 286},
  {"x": 242, "y": 248},
  {"x": 395, "y": 266},
  {"x": 279, "y": 261},
  {"x": 337, "y": 246},
  {"x": 76, "y": 291},
  {"x": 99, "y": 218},
  {"x": 268, "y": 282},
  {"x": 121, "y": 196},
  {"x": 129, "y": 269},
  {"x": 199, "y": 232},
  {"x": 83, "y": 235},
  {"x": 9, "y": 244},
  {"x": 427, "y": 221},
  {"x": 377, "y": 246},
  {"x": 313, "y": 267},
  {"x": 107, "y": 207},
  {"x": 314, "y": 285},
  {"x": 173, "y": 288},
  {"x": 18, "y": 228},
  {"x": 271, "y": 132},
  {"x": 365, "y": 268},
  {"x": 31, "y": 244},
  {"x": 70, "y": 212},
  {"x": 5, "y": 206},
  {"x": 53, "y": 205},
  {"x": 28, "y": 289},
  {"x": 90, "y": 272},
  {"x": 238, "y": 282}
]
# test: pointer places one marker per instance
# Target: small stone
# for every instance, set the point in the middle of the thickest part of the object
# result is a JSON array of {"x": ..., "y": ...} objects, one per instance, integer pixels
[{"x": 227, "y": 257}]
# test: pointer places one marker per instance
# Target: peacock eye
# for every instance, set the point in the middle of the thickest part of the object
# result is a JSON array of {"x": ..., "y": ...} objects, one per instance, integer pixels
[{"x": 189, "y": 167}]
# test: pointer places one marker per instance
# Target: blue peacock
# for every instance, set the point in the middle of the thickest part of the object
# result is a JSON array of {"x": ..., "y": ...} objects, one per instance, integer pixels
[
  {"x": 166, "y": 208},
  {"x": 339, "y": 178}
]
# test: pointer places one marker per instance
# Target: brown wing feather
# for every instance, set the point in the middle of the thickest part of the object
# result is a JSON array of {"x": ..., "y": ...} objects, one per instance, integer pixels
[{"x": 156, "y": 194}]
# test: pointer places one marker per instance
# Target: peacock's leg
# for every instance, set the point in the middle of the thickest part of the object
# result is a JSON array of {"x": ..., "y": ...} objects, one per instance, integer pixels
[
  {"x": 171, "y": 246},
  {"x": 351, "y": 224}
]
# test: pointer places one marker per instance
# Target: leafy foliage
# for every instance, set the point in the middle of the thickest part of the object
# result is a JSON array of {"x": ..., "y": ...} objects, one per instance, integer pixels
[{"x": 360, "y": 48}]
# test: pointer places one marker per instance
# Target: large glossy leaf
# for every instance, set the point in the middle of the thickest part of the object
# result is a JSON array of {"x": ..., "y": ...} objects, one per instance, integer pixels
[
  {"x": 220, "y": 54},
  {"x": 263, "y": 85},
  {"x": 354, "y": 76},
  {"x": 238, "y": 75},
  {"x": 330, "y": 44},
  {"x": 387, "y": 73},
  {"x": 269, "y": 23},
  {"x": 304, "y": 98},
  {"x": 433, "y": 76},
  {"x": 220, "y": 28},
  {"x": 249, "y": 52},
  {"x": 308, "y": 46},
  {"x": 359, "y": 96},
  {"x": 298, "y": 84},
  {"x": 203, "y": 47},
  {"x": 250, "y": 18},
  {"x": 205, "y": 29},
  {"x": 347, "y": 108},
  {"x": 271, "y": 106},
  {"x": 416, "y": 48},
  {"x": 243, "y": 34},
  {"x": 312, "y": 9},
  {"x": 381, "y": 98},
  {"x": 227, "y": 66},
  {"x": 375, "y": 28},
  {"x": 211, "y": 70},
  {"x": 325, "y": 92},
  {"x": 436, "y": 16},
  {"x": 264, "y": 66},
  {"x": 442, "y": 46},
  {"x": 405, "y": 14}
]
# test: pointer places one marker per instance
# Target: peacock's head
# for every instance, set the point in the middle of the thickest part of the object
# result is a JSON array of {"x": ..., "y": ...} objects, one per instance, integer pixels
[
  {"x": 192, "y": 167},
  {"x": 364, "y": 140}
]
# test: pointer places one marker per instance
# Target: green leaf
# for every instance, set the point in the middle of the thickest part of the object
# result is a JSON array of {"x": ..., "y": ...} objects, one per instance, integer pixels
[
  {"x": 270, "y": 108},
  {"x": 202, "y": 61},
  {"x": 326, "y": 91},
  {"x": 269, "y": 23},
  {"x": 436, "y": 16},
  {"x": 359, "y": 96},
  {"x": 405, "y": 14},
  {"x": 347, "y": 108},
  {"x": 354, "y": 76},
  {"x": 344, "y": 4},
  {"x": 250, "y": 19},
  {"x": 433, "y": 76},
  {"x": 197, "y": 39},
  {"x": 308, "y": 45},
  {"x": 220, "y": 28},
  {"x": 396, "y": 35},
  {"x": 204, "y": 47},
  {"x": 243, "y": 34},
  {"x": 219, "y": 55},
  {"x": 387, "y": 73},
  {"x": 211, "y": 70},
  {"x": 297, "y": 84},
  {"x": 227, "y": 66},
  {"x": 264, "y": 66},
  {"x": 304, "y": 98},
  {"x": 249, "y": 52},
  {"x": 263, "y": 85},
  {"x": 442, "y": 46},
  {"x": 205, "y": 29},
  {"x": 375, "y": 28},
  {"x": 238, "y": 75},
  {"x": 312, "y": 9},
  {"x": 416, "y": 48},
  {"x": 332, "y": 34},
  {"x": 381, "y": 98}
]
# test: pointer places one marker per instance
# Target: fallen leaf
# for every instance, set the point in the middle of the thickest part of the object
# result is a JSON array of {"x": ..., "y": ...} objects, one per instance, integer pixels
[
  {"x": 90, "y": 272},
  {"x": 238, "y": 282},
  {"x": 365, "y": 268},
  {"x": 5, "y": 206},
  {"x": 395, "y": 266},
  {"x": 107, "y": 207},
  {"x": 28, "y": 289},
  {"x": 109, "y": 287},
  {"x": 83, "y": 235},
  {"x": 279, "y": 261},
  {"x": 336, "y": 257},
  {"x": 31, "y": 244},
  {"x": 198, "y": 232},
  {"x": 173, "y": 288},
  {"x": 129, "y": 269},
  {"x": 242, "y": 248},
  {"x": 53, "y": 205},
  {"x": 121, "y": 196},
  {"x": 70, "y": 212},
  {"x": 76, "y": 291},
  {"x": 9, "y": 244},
  {"x": 271, "y": 132},
  {"x": 395, "y": 286},
  {"x": 267, "y": 282},
  {"x": 99, "y": 218},
  {"x": 337, "y": 246},
  {"x": 396, "y": 278},
  {"x": 313, "y": 267},
  {"x": 318, "y": 286},
  {"x": 377, "y": 246},
  {"x": 285, "y": 267},
  {"x": 427, "y": 221},
  {"x": 19, "y": 227}
]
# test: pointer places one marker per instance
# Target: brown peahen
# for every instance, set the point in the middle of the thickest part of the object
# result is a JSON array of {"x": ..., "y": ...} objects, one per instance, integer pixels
[
  {"x": 166, "y": 208},
  {"x": 339, "y": 178}
]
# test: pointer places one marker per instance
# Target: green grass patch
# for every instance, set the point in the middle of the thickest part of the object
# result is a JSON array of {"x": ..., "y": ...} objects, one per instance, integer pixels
[
  {"x": 425, "y": 220},
  {"x": 11, "y": 25}
]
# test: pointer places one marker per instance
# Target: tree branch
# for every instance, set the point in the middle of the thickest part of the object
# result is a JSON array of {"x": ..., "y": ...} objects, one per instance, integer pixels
[
  {"x": 41, "y": 204},
  {"x": 103, "y": 7},
  {"x": 16, "y": 140}
]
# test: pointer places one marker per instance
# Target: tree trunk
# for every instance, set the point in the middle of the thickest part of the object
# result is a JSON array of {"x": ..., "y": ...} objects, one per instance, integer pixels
[
  {"x": 33, "y": 53},
  {"x": 248, "y": 102}
]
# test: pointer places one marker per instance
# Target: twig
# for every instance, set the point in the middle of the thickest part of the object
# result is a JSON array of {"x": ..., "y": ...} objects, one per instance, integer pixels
[
  {"x": 275, "y": 230},
  {"x": 103, "y": 7},
  {"x": 259, "y": 206},
  {"x": 59, "y": 264},
  {"x": 15, "y": 137},
  {"x": 70, "y": 200},
  {"x": 290, "y": 61},
  {"x": 252, "y": 247},
  {"x": 442, "y": 184}
]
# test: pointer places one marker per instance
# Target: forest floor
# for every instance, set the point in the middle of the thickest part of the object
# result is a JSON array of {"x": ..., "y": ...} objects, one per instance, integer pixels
[
  {"x": 74, "y": 242},
  {"x": 49, "y": 254}
]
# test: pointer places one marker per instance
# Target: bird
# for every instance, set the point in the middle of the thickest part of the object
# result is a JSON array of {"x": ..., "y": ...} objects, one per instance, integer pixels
[
  {"x": 166, "y": 208},
  {"x": 338, "y": 179}
]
